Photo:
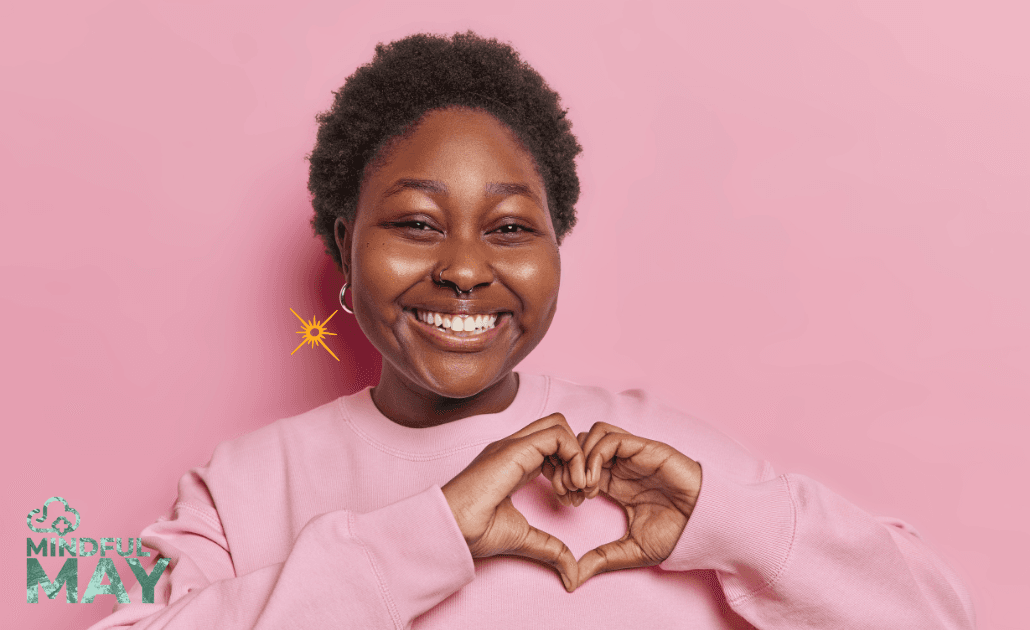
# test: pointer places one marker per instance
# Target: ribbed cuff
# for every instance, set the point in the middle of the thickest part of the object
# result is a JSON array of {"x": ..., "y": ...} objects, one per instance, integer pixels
[
  {"x": 418, "y": 551},
  {"x": 742, "y": 529}
]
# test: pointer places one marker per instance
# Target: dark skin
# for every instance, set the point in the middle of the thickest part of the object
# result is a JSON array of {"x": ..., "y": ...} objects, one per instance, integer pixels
[
  {"x": 458, "y": 206},
  {"x": 455, "y": 221}
]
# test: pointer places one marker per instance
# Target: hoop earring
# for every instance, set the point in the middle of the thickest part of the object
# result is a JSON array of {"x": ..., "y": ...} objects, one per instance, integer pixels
[{"x": 343, "y": 302}]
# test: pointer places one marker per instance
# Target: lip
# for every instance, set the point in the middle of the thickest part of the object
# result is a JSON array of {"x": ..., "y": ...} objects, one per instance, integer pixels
[
  {"x": 453, "y": 343},
  {"x": 455, "y": 307}
]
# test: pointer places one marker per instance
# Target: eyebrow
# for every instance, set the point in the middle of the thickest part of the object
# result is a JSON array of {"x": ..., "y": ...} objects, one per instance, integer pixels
[
  {"x": 508, "y": 189},
  {"x": 422, "y": 185},
  {"x": 433, "y": 186}
]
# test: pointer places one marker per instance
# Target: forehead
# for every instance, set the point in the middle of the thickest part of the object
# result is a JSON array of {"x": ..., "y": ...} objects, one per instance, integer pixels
[{"x": 458, "y": 144}]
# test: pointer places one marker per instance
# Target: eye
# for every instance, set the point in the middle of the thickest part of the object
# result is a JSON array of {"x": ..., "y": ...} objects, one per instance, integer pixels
[
  {"x": 414, "y": 225},
  {"x": 513, "y": 232},
  {"x": 512, "y": 228},
  {"x": 414, "y": 228}
]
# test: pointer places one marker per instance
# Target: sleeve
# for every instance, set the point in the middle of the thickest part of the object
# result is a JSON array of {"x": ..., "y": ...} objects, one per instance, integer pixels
[
  {"x": 345, "y": 570},
  {"x": 791, "y": 554}
]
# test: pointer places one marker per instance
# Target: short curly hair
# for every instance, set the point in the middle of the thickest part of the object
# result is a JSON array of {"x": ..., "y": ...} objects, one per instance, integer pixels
[{"x": 406, "y": 79}]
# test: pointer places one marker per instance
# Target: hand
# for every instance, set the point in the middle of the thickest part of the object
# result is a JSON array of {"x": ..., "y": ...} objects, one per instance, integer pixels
[
  {"x": 480, "y": 495},
  {"x": 654, "y": 483}
]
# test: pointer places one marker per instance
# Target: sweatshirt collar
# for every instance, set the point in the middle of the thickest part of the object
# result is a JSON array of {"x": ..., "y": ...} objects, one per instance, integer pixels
[{"x": 439, "y": 441}]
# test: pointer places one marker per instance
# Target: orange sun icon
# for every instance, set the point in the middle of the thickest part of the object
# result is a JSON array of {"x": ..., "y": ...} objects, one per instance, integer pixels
[{"x": 314, "y": 332}]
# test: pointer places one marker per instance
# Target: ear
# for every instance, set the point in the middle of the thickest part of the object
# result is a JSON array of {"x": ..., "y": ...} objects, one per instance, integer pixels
[{"x": 343, "y": 232}]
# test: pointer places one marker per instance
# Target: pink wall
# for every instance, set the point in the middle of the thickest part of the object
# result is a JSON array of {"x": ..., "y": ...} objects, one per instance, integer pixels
[{"x": 805, "y": 221}]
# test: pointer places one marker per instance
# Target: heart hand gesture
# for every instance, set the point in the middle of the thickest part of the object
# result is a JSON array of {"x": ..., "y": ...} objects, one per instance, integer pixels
[
  {"x": 654, "y": 483},
  {"x": 480, "y": 495}
]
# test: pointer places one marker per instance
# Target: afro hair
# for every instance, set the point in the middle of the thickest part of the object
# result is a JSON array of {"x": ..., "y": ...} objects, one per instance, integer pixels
[{"x": 420, "y": 73}]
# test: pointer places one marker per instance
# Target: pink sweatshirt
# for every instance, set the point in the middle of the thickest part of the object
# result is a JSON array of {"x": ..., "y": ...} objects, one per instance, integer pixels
[{"x": 335, "y": 519}]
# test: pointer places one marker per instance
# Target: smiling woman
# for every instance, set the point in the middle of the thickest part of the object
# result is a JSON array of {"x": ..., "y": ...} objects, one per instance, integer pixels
[
  {"x": 451, "y": 493},
  {"x": 455, "y": 226}
]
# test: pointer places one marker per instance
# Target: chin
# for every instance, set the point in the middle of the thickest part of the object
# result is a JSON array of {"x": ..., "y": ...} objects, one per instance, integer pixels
[
  {"x": 461, "y": 389},
  {"x": 462, "y": 383}
]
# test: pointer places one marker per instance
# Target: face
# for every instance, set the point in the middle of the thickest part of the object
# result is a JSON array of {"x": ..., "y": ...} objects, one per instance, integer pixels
[{"x": 452, "y": 256}]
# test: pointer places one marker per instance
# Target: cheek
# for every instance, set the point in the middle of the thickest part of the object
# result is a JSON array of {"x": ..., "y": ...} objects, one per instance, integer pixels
[
  {"x": 537, "y": 278},
  {"x": 383, "y": 271},
  {"x": 385, "y": 259}
]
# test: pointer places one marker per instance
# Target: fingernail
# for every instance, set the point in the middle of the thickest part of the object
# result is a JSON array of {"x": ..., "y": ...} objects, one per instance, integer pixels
[{"x": 565, "y": 581}]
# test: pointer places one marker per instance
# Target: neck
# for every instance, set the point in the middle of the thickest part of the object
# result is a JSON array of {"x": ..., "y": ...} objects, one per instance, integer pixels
[{"x": 411, "y": 406}]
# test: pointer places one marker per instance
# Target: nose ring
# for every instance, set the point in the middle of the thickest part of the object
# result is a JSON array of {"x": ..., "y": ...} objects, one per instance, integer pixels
[{"x": 456, "y": 287}]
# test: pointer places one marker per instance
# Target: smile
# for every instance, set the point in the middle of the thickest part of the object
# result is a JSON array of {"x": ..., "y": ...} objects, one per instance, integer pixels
[{"x": 468, "y": 324}]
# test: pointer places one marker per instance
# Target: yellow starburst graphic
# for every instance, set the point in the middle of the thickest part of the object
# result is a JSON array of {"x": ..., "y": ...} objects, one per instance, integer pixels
[{"x": 314, "y": 332}]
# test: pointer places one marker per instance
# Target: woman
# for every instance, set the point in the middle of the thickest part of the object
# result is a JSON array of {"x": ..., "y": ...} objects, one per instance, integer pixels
[{"x": 451, "y": 493}]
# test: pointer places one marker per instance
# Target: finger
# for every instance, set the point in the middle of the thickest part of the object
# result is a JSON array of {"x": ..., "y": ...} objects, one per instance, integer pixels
[
  {"x": 598, "y": 431},
  {"x": 548, "y": 468},
  {"x": 590, "y": 489},
  {"x": 573, "y": 480},
  {"x": 555, "y": 440},
  {"x": 604, "y": 482},
  {"x": 604, "y": 452},
  {"x": 555, "y": 419},
  {"x": 502, "y": 468},
  {"x": 613, "y": 556},
  {"x": 551, "y": 471},
  {"x": 560, "y": 490},
  {"x": 543, "y": 547},
  {"x": 616, "y": 445},
  {"x": 566, "y": 478}
]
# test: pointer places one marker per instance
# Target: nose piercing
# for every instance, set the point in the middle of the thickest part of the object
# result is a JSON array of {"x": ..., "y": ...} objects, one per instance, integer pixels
[{"x": 456, "y": 287}]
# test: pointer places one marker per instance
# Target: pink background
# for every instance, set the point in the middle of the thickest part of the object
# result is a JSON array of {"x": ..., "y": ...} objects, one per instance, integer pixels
[{"x": 806, "y": 222}]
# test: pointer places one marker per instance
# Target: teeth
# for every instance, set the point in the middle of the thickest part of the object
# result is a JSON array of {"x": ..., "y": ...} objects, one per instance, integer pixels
[{"x": 458, "y": 323}]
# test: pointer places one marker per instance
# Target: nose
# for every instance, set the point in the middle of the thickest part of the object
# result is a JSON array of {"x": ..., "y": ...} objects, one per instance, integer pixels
[{"x": 464, "y": 264}]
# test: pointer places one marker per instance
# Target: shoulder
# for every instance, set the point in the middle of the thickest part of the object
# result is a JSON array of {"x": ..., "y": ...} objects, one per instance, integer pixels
[
  {"x": 263, "y": 487},
  {"x": 641, "y": 413},
  {"x": 264, "y": 450}
]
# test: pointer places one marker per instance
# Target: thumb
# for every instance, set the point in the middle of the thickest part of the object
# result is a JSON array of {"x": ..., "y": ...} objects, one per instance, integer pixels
[
  {"x": 540, "y": 546},
  {"x": 613, "y": 556},
  {"x": 526, "y": 541}
]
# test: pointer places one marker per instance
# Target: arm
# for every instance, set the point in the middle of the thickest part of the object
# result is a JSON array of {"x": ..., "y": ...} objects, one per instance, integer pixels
[
  {"x": 345, "y": 570},
  {"x": 788, "y": 552}
]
